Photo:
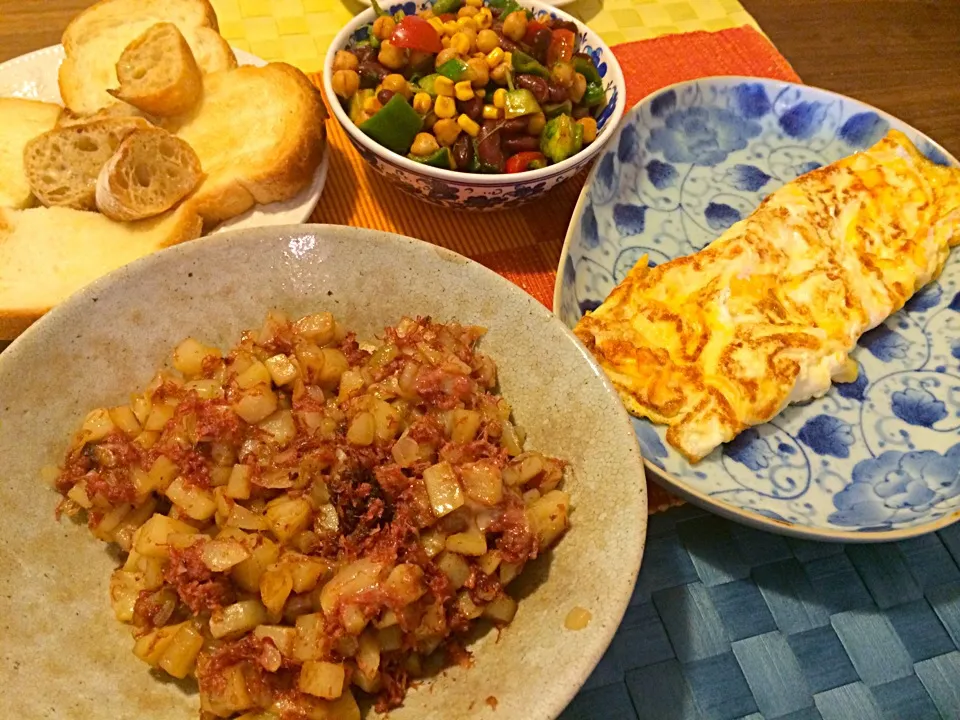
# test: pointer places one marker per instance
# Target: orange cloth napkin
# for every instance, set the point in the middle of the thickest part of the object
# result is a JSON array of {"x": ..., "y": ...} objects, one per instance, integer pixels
[{"x": 524, "y": 244}]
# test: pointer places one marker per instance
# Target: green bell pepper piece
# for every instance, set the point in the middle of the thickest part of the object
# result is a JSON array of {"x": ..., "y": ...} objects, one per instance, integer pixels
[
  {"x": 584, "y": 65},
  {"x": 523, "y": 63},
  {"x": 561, "y": 138},
  {"x": 455, "y": 69},
  {"x": 355, "y": 108},
  {"x": 564, "y": 108},
  {"x": 377, "y": 10},
  {"x": 426, "y": 84},
  {"x": 520, "y": 102},
  {"x": 442, "y": 158},
  {"x": 395, "y": 125},
  {"x": 442, "y": 7},
  {"x": 594, "y": 95},
  {"x": 506, "y": 7}
]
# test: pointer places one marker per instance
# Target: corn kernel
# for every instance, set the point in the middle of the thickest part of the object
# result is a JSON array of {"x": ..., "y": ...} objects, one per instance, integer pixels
[
  {"x": 445, "y": 41},
  {"x": 495, "y": 57},
  {"x": 437, "y": 24},
  {"x": 468, "y": 126},
  {"x": 535, "y": 123},
  {"x": 461, "y": 43},
  {"x": 589, "y": 129},
  {"x": 508, "y": 59},
  {"x": 481, "y": 93},
  {"x": 484, "y": 18},
  {"x": 463, "y": 90},
  {"x": 445, "y": 107},
  {"x": 500, "y": 98},
  {"x": 491, "y": 112},
  {"x": 446, "y": 131},
  {"x": 371, "y": 105},
  {"x": 467, "y": 23},
  {"x": 451, "y": 28},
  {"x": 444, "y": 87},
  {"x": 422, "y": 103},
  {"x": 475, "y": 3}
]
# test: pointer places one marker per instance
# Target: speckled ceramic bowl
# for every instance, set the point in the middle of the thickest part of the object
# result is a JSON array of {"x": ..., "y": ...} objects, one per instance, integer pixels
[
  {"x": 64, "y": 655},
  {"x": 453, "y": 189}
]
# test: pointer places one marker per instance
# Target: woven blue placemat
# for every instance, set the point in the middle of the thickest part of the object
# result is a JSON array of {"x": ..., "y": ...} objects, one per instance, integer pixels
[{"x": 728, "y": 622}]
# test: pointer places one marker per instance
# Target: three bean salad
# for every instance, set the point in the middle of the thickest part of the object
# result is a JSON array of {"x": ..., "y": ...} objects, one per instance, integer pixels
[{"x": 471, "y": 85}]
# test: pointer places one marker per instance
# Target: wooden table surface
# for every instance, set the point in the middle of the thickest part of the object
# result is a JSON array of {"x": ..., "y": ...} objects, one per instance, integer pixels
[{"x": 901, "y": 55}]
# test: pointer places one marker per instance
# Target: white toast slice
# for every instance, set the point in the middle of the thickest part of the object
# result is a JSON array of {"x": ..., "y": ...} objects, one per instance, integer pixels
[{"x": 20, "y": 121}]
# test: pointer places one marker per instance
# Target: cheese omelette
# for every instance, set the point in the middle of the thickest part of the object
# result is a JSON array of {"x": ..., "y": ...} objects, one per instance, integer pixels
[{"x": 767, "y": 314}]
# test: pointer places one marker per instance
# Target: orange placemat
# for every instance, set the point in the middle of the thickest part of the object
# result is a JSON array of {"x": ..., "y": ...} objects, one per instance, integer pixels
[{"x": 524, "y": 244}]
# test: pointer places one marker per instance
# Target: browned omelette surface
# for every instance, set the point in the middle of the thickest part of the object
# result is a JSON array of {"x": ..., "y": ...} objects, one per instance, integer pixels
[{"x": 766, "y": 315}]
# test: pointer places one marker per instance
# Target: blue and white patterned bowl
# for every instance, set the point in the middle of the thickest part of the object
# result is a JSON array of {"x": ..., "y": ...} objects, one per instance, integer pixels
[
  {"x": 874, "y": 460},
  {"x": 474, "y": 191}
]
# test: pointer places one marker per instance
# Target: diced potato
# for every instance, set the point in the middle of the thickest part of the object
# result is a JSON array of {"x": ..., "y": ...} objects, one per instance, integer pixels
[
  {"x": 368, "y": 655},
  {"x": 406, "y": 451},
  {"x": 549, "y": 516},
  {"x": 244, "y": 519},
  {"x": 181, "y": 654},
  {"x": 140, "y": 404},
  {"x": 160, "y": 414},
  {"x": 151, "y": 647},
  {"x": 276, "y": 583},
  {"x": 257, "y": 403},
  {"x": 482, "y": 482},
  {"x": 334, "y": 365},
  {"x": 239, "y": 485},
  {"x": 256, "y": 374},
  {"x": 433, "y": 542},
  {"x": 466, "y": 423},
  {"x": 308, "y": 707},
  {"x": 501, "y": 610},
  {"x": 443, "y": 488},
  {"x": 190, "y": 355},
  {"x": 221, "y": 555},
  {"x": 467, "y": 607},
  {"x": 280, "y": 427},
  {"x": 404, "y": 584},
  {"x": 289, "y": 517},
  {"x": 109, "y": 522},
  {"x": 362, "y": 429},
  {"x": 318, "y": 328},
  {"x": 282, "y": 370},
  {"x": 351, "y": 382},
  {"x": 510, "y": 440},
  {"x": 351, "y": 579},
  {"x": 97, "y": 425},
  {"x": 310, "y": 640},
  {"x": 472, "y": 542},
  {"x": 386, "y": 419},
  {"x": 206, "y": 389},
  {"x": 158, "y": 478},
  {"x": 305, "y": 571},
  {"x": 322, "y": 679},
  {"x": 151, "y": 570},
  {"x": 390, "y": 638},
  {"x": 147, "y": 439},
  {"x": 227, "y": 696},
  {"x": 282, "y": 636},
  {"x": 124, "y": 418},
  {"x": 124, "y": 532},
  {"x": 327, "y": 519},
  {"x": 489, "y": 562},
  {"x": 237, "y": 619},
  {"x": 196, "y": 502},
  {"x": 78, "y": 493},
  {"x": 455, "y": 568},
  {"x": 247, "y": 574},
  {"x": 125, "y": 588},
  {"x": 508, "y": 572}
]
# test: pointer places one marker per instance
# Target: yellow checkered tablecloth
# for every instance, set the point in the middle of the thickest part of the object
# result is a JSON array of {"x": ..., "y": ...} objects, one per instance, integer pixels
[{"x": 300, "y": 31}]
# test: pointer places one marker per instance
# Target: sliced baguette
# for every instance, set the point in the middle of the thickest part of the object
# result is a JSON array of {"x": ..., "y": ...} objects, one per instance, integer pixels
[
  {"x": 113, "y": 110},
  {"x": 149, "y": 173},
  {"x": 20, "y": 121},
  {"x": 46, "y": 254},
  {"x": 259, "y": 133},
  {"x": 62, "y": 164},
  {"x": 96, "y": 38},
  {"x": 158, "y": 74}
]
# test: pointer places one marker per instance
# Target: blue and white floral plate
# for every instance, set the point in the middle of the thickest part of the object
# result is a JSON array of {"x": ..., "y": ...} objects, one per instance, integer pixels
[{"x": 873, "y": 460}]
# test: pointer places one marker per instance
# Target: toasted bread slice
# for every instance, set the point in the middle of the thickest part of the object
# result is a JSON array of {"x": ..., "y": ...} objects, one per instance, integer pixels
[
  {"x": 62, "y": 164},
  {"x": 259, "y": 133},
  {"x": 46, "y": 254},
  {"x": 113, "y": 110},
  {"x": 97, "y": 37},
  {"x": 158, "y": 74},
  {"x": 149, "y": 173},
  {"x": 20, "y": 121}
]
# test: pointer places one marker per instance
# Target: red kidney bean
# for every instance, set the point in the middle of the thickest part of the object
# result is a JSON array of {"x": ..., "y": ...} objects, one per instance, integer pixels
[
  {"x": 463, "y": 151},
  {"x": 364, "y": 53},
  {"x": 579, "y": 111},
  {"x": 384, "y": 96},
  {"x": 507, "y": 44},
  {"x": 520, "y": 143},
  {"x": 421, "y": 63},
  {"x": 558, "y": 93},
  {"x": 535, "y": 84},
  {"x": 371, "y": 73},
  {"x": 472, "y": 108},
  {"x": 489, "y": 152},
  {"x": 541, "y": 42},
  {"x": 514, "y": 126},
  {"x": 566, "y": 25}
]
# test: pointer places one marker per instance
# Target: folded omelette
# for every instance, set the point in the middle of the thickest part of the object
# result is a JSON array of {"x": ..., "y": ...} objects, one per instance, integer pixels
[{"x": 767, "y": 314}]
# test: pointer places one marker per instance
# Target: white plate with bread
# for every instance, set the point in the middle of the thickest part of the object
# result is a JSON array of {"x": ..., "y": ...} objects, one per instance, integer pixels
[{"x": 142, "y": 130}]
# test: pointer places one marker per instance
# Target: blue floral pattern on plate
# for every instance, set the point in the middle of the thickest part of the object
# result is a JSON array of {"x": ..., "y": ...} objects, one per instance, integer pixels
[{"x": 873, "y": 459}]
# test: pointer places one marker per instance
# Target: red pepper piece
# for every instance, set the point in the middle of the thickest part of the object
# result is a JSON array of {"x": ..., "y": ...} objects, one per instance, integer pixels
[
  {"x": 561, "y": 46},
  {"x": 521, "y": 161},
  {"x": 417, "y": 34}
]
